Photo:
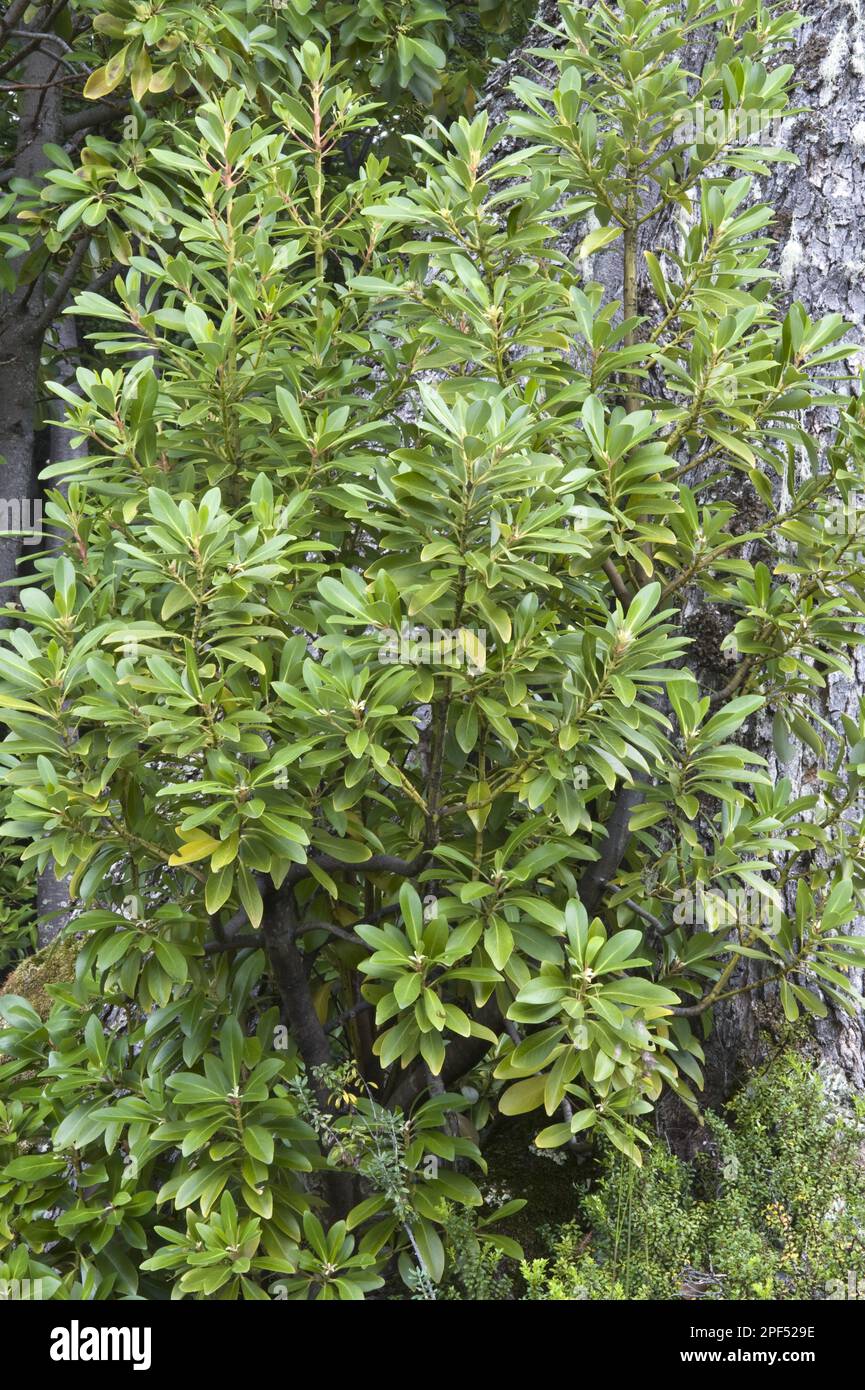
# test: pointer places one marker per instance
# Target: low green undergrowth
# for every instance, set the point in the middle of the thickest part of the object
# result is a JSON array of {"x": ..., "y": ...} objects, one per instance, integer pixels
[{"x": 773, "y": 1207}]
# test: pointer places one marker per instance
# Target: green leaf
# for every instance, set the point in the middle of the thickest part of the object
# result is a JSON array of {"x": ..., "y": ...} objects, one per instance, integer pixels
[
  {"x": 249, "y": 895},
  {"x": 499, "y": 942},
  {"x": 788, "y": 1002},
  {"x": 598, "y": 239},
  {"x": 523, "y": 1096},
  {"x": 553, "y": 1136},
  {"x": 431, "y": 1249},
  {"x": 411, "y": 908},
  {"x": 633, "y": 990},
  {"x": 258, "y": 1143},
  {"x": 105, "y": 79}
]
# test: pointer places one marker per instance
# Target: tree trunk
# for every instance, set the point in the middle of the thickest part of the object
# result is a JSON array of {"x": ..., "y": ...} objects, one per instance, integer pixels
[
  {"x": 820, "y": 232},
  {"x": 21, "y": 316},
  {"x": 53, "y": 905},
  {"x": 25, "y": 316}
]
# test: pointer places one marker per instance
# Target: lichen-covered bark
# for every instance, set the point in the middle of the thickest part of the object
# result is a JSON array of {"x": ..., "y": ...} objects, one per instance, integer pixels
[
  {"x": 821, "y": 261},
  {"x": 820, "y": 256},
  {"x": 53, "y": 904},
  {"x": 21, "y": 312}
]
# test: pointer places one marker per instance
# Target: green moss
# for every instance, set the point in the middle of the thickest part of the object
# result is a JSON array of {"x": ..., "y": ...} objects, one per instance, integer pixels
[{"x": 53, "y": 965}]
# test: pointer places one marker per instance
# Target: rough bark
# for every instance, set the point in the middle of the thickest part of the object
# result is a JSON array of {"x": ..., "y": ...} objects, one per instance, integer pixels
[
  {"x": 821, "y": 259},
  {"x": 53, "y": 905},
  {"x": 289, "y": 968},
  {"x": 820, "y": 231},
  {"x": 26, "y": 316},
  {"x": 22, "y": 312}
]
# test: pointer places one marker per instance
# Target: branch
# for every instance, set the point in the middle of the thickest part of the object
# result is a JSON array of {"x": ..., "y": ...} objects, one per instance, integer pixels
[
  {"x": 331, "y": 927},
  {"x": 96, "y": 114},
  {"x": 105, "y": 277},
  {"x": 378, "y": 864},
  {"x": 349, "y": 1014},
  {"x": 461, "y": 1055},
  {"x": 718, "y": 994},
  {"x": 231, "y": 938},
  {"x": 11, "y": 18},
  {"x": 620, "y": 588},
  {"x": 600, "y": 874},
  {"x": 650, "y": 917},
  {"x": 743, "y": 670},
  {"x": 280, "y": 928},
  {"x": 370, "y": 918},
  {"x": 236, "y": 943},
  {"x": 56, "y": 300},
  {"x": 29, "y": 48}
]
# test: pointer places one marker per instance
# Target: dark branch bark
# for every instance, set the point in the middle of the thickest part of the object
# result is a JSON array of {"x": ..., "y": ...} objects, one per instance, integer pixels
[
  {"x": 461, "y": 1056},
  {"x": 597, "y": 876},
  {"x": 40, "y": 23},
  {"x": 378, "y": 864},
  {"x": 56, "y": 300},
  {"x": 280, "y": 929},
  {"x": 20, "y": 342},
  {"x": 98, "y": 113},
  {"x": 11, "y": 18}
]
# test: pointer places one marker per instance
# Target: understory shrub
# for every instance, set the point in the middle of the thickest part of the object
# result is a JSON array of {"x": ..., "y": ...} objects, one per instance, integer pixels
[{"x": 772, "y": 1208}]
